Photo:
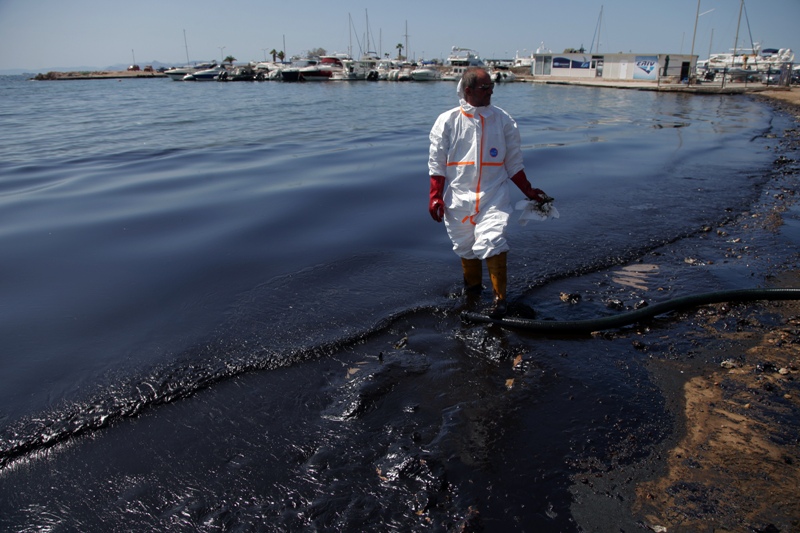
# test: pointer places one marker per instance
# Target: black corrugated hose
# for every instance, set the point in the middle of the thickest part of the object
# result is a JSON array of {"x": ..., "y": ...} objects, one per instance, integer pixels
[{"x": 616, "y": 321}]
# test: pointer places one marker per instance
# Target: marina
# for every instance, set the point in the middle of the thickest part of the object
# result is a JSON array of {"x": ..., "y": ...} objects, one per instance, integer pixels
[
  {"x": 510, "y": 75},
  {"x": 748, "y": 71}
]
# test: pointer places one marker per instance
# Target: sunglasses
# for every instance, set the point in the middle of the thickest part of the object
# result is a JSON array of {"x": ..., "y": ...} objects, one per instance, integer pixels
[{"x": 485, "y": 86}]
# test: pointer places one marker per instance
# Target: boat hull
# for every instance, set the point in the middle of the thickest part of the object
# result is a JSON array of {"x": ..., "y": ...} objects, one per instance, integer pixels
[
  {"x": 425, "y": 75},
  {"x": 177, "y": 75},
  {"x": 317, "y": 74},
  {"x": 203, "y": 75},
  {"x": 180, "y": 73},
  {"x": 290, "y": 74}
]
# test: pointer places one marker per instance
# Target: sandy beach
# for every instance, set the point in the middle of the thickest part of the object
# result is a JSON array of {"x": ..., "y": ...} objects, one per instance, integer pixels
[
  {"x": 735, "y": 466},
  {"x": 789, "y": 100}
]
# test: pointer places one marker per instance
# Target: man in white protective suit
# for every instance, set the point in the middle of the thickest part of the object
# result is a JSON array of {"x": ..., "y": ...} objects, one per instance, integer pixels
[{"x": 474, "y": 153}]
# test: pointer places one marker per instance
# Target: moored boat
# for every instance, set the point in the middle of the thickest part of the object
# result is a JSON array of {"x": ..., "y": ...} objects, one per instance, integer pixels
[
  {"x": 501, "y": 73},
  {"x": 388, "y": 69},
  {"x": 267, "y": 70},
  {"x": 240, "y": 73},
  {"x": 210, "y": 74},
  {"x": 426, "y": 72},
  {"x": 365, "y": 68},
  {"x": 752, "y": 58},
  {"x": 748, "y": 64},
  {"x": 292, "y": 72},
  {"x": 459, "y": 60},
  {"x": 178, "y": 73},
  {"x": 326, "y": 68}
]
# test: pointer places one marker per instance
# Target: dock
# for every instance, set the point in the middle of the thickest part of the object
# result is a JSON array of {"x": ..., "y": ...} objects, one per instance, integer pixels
[
  {"x": 99, "y": 75},
  {"x": 694, "y": 88}
]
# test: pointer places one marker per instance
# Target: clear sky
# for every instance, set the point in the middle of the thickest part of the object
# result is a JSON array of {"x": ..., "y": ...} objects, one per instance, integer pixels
[{"x": 40, "y": 35}]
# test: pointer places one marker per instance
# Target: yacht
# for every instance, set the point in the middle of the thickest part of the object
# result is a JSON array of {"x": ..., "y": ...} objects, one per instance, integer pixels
[
  {"x": 426, "y": 72},
  {"x": 210, "y": 74},
  {"x": 324, "y": 69},
  {"x": 502, "y": 73},
  {"x": 365, "y": 68},
  {"x": 292, "y": 72},
  {"x": 459, "y": 60},
  {"x": 178, "y": 73}
]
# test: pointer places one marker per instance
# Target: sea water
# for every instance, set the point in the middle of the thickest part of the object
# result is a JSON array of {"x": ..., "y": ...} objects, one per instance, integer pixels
[{"x": 225, "y": 306}]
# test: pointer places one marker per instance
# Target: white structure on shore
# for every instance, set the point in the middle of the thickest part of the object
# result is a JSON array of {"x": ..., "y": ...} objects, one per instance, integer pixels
[{"x": 613, "y": 67}]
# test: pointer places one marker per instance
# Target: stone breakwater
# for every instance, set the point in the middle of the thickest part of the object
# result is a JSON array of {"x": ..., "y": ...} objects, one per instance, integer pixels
[{"x": 97, "y": 75}]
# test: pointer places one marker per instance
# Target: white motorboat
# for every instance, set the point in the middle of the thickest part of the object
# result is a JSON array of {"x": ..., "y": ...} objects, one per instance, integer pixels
[
  {"x": 268, "y": 70},
  {"x": 768, "y": 59},
  {"x": 459, "y": 60},
  {"x": 426, "y": 73},
  {"x": 502, "y": 73},
  {"x": 292, "y": 72},
  {"x": 398, "y": 71},
  {"x": 211, "y": 74},
  {"x": 365, "y": 68},
  {"x": 178, "y": 73},
  {"x": 324, "y": 70},
  {"x": 753, "y": 59},
  {"x": 388, "y": 69}
]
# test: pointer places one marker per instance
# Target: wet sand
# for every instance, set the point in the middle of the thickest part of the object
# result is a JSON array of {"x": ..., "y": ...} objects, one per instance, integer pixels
[
  {"x": 791, "y": 97},
  {"x": 735, "y": 463}
]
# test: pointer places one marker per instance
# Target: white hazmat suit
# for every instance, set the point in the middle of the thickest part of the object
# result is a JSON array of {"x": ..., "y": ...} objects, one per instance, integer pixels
[{"x": 477, "y": 149}]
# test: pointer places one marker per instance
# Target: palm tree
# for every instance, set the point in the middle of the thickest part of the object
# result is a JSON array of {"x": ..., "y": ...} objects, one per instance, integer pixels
[
  {"x": 229, "y": 59},
  {"x": 399, "y": 50},
  {"x": 281, "y": 55},
  {"x": 273, "y": 53}
]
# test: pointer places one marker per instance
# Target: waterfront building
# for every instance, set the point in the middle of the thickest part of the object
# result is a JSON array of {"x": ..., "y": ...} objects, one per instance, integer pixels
[{"x": 582, "y": 66}]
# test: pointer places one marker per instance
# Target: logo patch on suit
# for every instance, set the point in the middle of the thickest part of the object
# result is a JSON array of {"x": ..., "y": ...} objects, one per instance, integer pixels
[{"x": 493, "y": 152}]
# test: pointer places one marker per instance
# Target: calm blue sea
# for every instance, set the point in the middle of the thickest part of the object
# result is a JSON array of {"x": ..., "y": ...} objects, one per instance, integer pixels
[{"x": 224, "y": 306}]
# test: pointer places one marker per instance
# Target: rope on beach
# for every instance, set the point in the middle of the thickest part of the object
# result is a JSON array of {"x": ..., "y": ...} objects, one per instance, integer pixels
[{"x": 616, "y": 321}]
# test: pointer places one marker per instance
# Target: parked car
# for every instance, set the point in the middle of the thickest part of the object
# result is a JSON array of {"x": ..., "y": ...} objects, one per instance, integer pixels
[
  {"x": 771, "y": 77},
  {"x": 134, "y": 68}
]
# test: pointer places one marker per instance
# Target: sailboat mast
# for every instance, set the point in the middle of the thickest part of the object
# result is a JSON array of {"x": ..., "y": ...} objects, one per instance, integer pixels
[
  {"x": 186, "y": 46},
  {"x": 711, "y": 42},
  {"x": 599, "y": 28},
  {"x": 597, "y": 32},
  {"x": 350, "y": 34},
  {"x": 736, "y": 42},
  {"x": 406, "y": 36},
  {"x": 367, "y": 17},
  {"x": 696, "y": 18}
]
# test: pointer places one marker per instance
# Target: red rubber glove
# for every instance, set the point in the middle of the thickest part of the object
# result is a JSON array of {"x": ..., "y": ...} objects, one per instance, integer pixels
[
  {"x": 436, "y": 202},
  {"x": 521, "y": 181}
]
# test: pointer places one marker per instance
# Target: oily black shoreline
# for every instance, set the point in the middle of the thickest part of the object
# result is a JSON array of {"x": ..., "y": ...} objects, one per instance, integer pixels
[{"x": 623, "y": 495}]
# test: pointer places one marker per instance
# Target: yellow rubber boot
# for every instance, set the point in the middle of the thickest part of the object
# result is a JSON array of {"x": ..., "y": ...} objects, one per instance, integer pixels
[
  {"x": 473, "y": 275},
  {"x": 497, "y": 266}
]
